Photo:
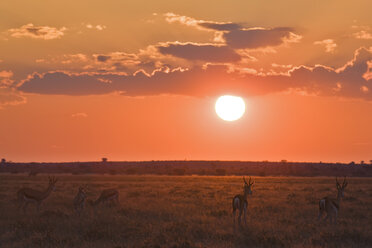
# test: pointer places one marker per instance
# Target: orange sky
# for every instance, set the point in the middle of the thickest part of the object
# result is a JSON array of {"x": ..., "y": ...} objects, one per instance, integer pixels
[{"x": 137, "y": 80}]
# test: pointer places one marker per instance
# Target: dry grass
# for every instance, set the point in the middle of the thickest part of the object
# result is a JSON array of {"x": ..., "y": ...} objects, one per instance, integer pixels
[{"x": 186, "y": 211}]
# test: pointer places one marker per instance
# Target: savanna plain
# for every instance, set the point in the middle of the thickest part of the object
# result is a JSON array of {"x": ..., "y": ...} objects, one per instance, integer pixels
[{"x": 185, "y": 211}]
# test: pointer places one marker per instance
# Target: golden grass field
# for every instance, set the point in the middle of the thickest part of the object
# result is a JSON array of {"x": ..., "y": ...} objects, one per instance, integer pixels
[{"x": 186, "y": 211}]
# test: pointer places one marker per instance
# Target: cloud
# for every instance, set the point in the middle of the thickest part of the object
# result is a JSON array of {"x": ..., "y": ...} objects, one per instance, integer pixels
[
  {"x": 203, "y": 52},
  {"x": 347, "y": 81},
  {"x": 6, "y": 78},
  {"x": 363, "y": 35},
  {"x": 62, "y": 83},
  {"x": 236, "y": 35},
  {"x": 6, "y": 74},
  {"x": 99, "y": 27},
  {"x": 129, "y": 58},
  {"x": 37, "y": 32},
  {"x": 10, "y": 96},
  {"x": 103, "y": 58},
  {"x": 329, "y": 45},
  {"x": 258, "y": 37},
  {"x": 200, "y": 24},
  {"x": 79, "y": 115}
]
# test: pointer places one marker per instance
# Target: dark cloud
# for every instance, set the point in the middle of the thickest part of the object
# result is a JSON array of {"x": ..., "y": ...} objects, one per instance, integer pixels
[
  {"x": 348, "y": 81},
  {"x": 61, "y": 83},
  {"x": 203, "y": 52},
  {"x": 195, "y": 82},
  {"x": 103, "y": 58},
  {"x": 238, "y": 36},
  {"x": 256, "y": 38},
  {"x": 220, "y": 26}
]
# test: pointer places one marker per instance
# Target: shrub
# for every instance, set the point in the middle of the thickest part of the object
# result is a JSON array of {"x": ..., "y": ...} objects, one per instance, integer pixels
[
  {"x": 131, "y": 171},
  {"x": 179, "y": 172},
  {"x": 220, "y": 172}
]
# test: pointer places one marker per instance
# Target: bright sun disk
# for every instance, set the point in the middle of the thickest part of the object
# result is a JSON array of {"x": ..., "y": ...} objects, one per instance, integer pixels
[{"x": 230, "y": 108}]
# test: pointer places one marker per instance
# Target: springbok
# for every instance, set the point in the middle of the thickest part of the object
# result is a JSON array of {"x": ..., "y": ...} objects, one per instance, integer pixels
[
  {"x": 79, "y": 200},
  {"x": 240, "y": 201},
  {"x": 331, "y": 206},
  {"x": 28, "y": 195},
  {"x": 107, "y": 196}
]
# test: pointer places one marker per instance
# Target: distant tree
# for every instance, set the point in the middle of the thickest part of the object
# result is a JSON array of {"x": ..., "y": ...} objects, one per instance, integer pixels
[
  {"x": 370, "y": 161},
  {"x": 3, "y": 161},
  {"x": 362, "y": 162},
  {"x": 284, "y": 161},
  {"x": 352, "y": 163},
  {"x": 104, "y": 160}
]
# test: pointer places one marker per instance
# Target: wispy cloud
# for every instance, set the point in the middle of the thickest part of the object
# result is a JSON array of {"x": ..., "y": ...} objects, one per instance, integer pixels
[
  {"x": 6, "y": 78},
  {"x": 37, "y": 32},
  {"x": 329, "y": 45},
  {"x": 196, "y": 51},
  {"x": 79, "y": 115},
  {"x": 10, "y": 96},
  {"x": 98, "y": 27},
  {"x": 363, "y": 35},
  {"x": 201, "y": 24}
]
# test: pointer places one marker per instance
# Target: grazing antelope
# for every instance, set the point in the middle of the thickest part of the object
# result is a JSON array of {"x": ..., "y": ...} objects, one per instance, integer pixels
[
  {"x": 240, "y": 201},
  {"x": 28, "y": 195},
  {"x": 107, "y": 196},
  {"x": 79, "y": 200},
  {"x": 331, "y": 206}
]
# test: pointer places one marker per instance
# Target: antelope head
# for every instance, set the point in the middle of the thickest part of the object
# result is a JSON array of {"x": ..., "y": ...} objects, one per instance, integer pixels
[
  {"x": 52, "y": 183},
  {"x": 341, "y": 188},
  {"x": 248, "y": 186}
]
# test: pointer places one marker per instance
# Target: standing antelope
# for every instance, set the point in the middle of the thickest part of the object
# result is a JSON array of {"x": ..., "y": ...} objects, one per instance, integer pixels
[
  {"x": 331, "y": 206},
  {"x": 28, "y": 195},
  {"x": 107, "y": 195},
  {"x": 79, "y": 200},
  {"x": 240, "y": 201}
]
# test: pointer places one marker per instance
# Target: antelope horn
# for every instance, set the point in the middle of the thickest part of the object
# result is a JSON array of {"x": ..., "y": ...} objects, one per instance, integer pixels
[
  {"x": 337, "y": 183},
  {"x": 245, "y": 180},
  {"x": 344, "y": 183}
]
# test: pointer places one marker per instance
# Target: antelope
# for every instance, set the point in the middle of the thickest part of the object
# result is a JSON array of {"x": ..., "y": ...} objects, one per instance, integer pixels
[
  {"x": 79, "y": 200},
  {"x": 331, "y": 206},
  {"x": 28, "y": 195},
  {"x": 240, "y": 201},
  {"x": 107, "y": 195}
]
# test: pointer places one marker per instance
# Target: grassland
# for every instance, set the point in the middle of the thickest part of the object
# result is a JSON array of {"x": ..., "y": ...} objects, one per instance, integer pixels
[{"x": 186, "y": 211}]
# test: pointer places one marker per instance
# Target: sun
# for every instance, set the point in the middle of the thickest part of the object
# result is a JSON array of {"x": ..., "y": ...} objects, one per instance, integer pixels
[{"x": 230, "y": 108}]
